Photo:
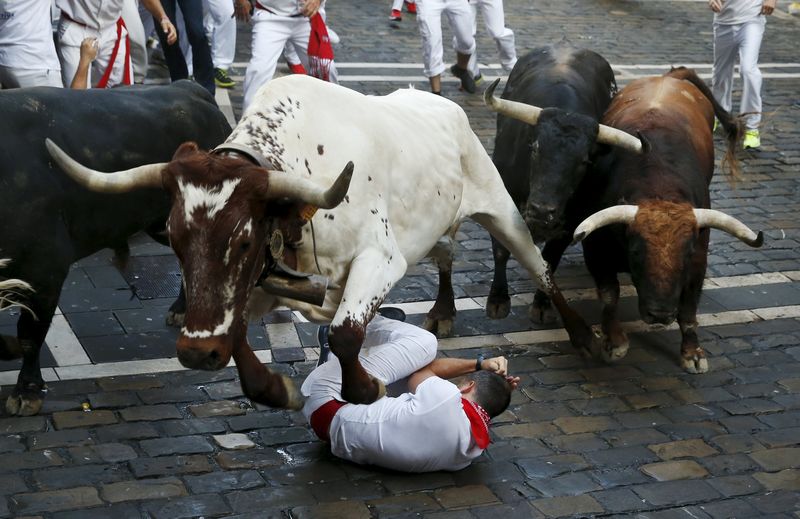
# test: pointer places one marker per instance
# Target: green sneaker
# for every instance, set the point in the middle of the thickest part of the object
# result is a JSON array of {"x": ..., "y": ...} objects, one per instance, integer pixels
[
  {"x": 478, "y": 79},
  {"x": 716, "y": 125},
  {"x": 752, "y": 139},
  {"x": 222, "y": 79}
]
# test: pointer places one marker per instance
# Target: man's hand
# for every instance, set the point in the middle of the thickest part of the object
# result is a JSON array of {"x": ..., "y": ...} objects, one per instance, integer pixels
[
  {"x": 715, "y": 5},
  {"x": 169, "y": 30},
  {"x": 89, "y": 47},
  {"x": 242, "y": 9},
  {"x": 768, "y": 6},
  {"x": 310, "y": 7},
  {"x": 512, "y": 381},
  {"x": 497, "y": 365}
]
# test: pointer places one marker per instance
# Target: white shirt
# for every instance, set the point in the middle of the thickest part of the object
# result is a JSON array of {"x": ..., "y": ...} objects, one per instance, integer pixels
[
  {"x": 96, "y": 14},
  {"x": 414, "y": 432},
  {"x": 738, "y": 11},
  {"x": 283, "y": 7},
  {"x": 26, "y": 36}
]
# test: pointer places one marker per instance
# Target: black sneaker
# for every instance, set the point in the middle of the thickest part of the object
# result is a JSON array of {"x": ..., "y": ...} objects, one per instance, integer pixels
[
  {"x": 324, "y": 348},
  {"x": 390, "y": 312},
  {"x": 467, "y": 82},
  {"x": 222, "y": 79}
]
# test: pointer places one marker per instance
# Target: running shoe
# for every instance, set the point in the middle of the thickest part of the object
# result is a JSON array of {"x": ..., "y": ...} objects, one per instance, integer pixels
[
  {"x": 752, "y": 139},
  {"x": 396, "y": 16},
  {"x": 467, "y": 83},
  {"x": 222, "y": 79},
  {"x": 478, "y": 79},
  {"x": 297, "y": 68},
  {"x": 411, "y": 7}
]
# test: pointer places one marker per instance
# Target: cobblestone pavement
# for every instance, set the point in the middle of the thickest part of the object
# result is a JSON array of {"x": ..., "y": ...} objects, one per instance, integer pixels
[{"x": 640, "y": 438}]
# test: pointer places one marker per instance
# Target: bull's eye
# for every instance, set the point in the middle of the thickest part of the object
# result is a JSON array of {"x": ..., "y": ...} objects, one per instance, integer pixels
[{"x": 245, "y": 246}]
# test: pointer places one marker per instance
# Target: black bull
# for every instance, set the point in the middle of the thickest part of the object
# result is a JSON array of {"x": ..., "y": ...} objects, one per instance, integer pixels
[{"x": 50, "y": 222}]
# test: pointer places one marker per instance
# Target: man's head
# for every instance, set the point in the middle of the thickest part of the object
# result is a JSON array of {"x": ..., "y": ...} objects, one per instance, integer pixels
[{"x": 487, "y": 389}]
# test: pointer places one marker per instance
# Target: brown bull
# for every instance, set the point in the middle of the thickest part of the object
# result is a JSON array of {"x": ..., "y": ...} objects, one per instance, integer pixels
[{"x": 660, "y": 232}]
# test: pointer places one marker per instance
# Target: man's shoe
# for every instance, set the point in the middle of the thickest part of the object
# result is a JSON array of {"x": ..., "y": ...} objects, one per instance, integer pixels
[
  {"x": 794, "y": 8},
  {"x": 467, "y": 83},
  {"x": 297, "y": 68},
  {"x": 324, "y": 348},
  {"x": 411, "y": 7},
  {"x": 752, "y": 139},
  {"x": 478, "y": 79},
  {"x": 393, "y": 313},
  {"x": 222, "y": 79},
  {"x": 716, "y": 125},
  {"x": 396, "y": 16}
]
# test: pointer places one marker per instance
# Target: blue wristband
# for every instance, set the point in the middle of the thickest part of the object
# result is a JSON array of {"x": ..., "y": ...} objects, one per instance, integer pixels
[{"x": 479, "y": 362}]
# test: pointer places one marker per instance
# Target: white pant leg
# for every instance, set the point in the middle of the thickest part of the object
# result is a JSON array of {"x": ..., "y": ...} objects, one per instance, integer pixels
[
  {"x": 724, "y": 59},
  {"x": 24, "y": 78},
  {"x": 462, "y": 20},
  {"x": 136, "y": 39},
  {"x": 70, "y": 36},
  {"x": 148, "y": 23},
  {"x": 270, "y": 34},
  {"x": 392, "y": 351},
  {"x": 749, "y": 39},
  {"x": 108, "y": 40},
  {"x": 397, "y": 5},
  {"x": 494, "y": 17},
  {"x": 472, "y": 66},
  {"x": 222, "y": 25},
  {"x": 290, "y": 54},
  {"x": 429, "y": 19}
]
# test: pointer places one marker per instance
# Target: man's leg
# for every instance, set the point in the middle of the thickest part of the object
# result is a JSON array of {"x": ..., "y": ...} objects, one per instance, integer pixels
[
  {"x": 749, "y": 38},
  {"x": 221, "y": 25},
  {"x": 724, "y": 57},
  {"x": 202, "y": 66},
  {"x": 462, "y": 20},
  {"x": 494, "y": 17},
  {"x": 270, "y": 34},
  {"x": 136, "y": 39},
  {"x": 429, "y": 18}
]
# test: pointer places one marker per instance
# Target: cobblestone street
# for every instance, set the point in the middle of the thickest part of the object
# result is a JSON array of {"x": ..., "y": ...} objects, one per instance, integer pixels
[{"x": 640, "y": 438}]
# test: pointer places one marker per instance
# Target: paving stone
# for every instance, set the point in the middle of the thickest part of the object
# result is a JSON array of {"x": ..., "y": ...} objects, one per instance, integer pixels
[
  {"x": 14, "y": 462},
  {"x": 171, "y": 394},
  {"x": 568, "y": 506},
  {"x": 732, "y": 486},
  {"x": 648, "y": 418},
  {"x": 125, "y": 431},
  {"x": 134, "y": 383},
  {"x": 524, "y": 430},
  {"x": 399, "y": 484},
  {"x": 733, "y": 443},
  {"x": 320, "y": 471},
  {"x": 621, "y": 457},
  {"x": 113, "y": 400},
  {"x": 778, "y": 459},
  {"x": 576, "y": 442},
  {"x": 72, "y": 419},
  {"x": 751, "y": 406},
  {"x": 12, "y": 484},
  {"x": 120, "y": 511},
  {"x": 687, "y": 431},
  {"x": 55, "y": 500},
  {"x": 671, "y": 470},
  {"x": 633, "y": 437},
  {"x": 467, "y": 496},
  {"x": 180, "y": 445},
  {"x": 549, "y": 466},
  {"x": 584, "y": 424},
  {"x": 209, "y": 505},
  {"x": 728, "y": 464},
  {"x": 602, "y": 405},
  {"x": 334, "y": 510},
  {"x": 102, "y": 453},
  {"x": 345, "y": 490},
  {"x": 234, "y": 441},
  {"x": 693, "y": 412},
  {"x": 11, "y": 444},
  {"x": 217, "y": 408},
  {"x": 674, "y": 493},
  {"x": 488, "y": 472},
  {"x": 150, "y": 413},
  {"x": 788, "y": 479},
  {"x": 262, "y": 499},
  {"x": 136, "y": 490},
  {"x": 521, "y": 510},
  {"x": 619, "y": 477},
  {"x": 284, "y": 435},
  {"x": 250, "y": 459},
  {"x": 190, "y": 426},
  {"x": 224, "y": 481},
  {"x": 774, "y": 502},
  {"x": 701, "y": 395},
  {"x": 619, "y": 500},
  {"x": 682, "y": 449},
  {"x": 258, "y": 420},
  {"x": 541, "y": 412},
  {"x": 650, "y": 400},
  {"x": 52, "y": 439},
  {"x": 166, "y": 465},
  {"x": 729, "y": 509},
  {"x": 408, "y": 504},
  {"x": 780, "y": 438},
  {"x": 56, "y": 478},
  {"x": 571, "y": 484}
]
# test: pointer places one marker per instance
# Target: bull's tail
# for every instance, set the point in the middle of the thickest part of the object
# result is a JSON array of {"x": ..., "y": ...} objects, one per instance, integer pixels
[
  {"x": 734, "y": 128},
  {"x": 12, "y": 290}
]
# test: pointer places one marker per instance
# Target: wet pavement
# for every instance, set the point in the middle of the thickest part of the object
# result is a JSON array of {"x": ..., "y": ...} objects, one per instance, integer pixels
[{"x": 640, "y": 438}]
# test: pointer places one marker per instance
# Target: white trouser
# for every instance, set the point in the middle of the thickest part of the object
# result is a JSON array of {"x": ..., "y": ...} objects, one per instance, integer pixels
[
  {"x": 398, "y": 4},
  {"x": 746, "y": 39},
  {"x": 494, "y": 18},
  {"x": 392, "y": 351},
  {"x": 70, "y": 36},
  {"x": 429, "y": 18},
  {"x": 136, "y": 39},
  {"x": 11, "y": 77},
  {"x": 221, "y": 31},
  {"x": 270, "y": 34}
]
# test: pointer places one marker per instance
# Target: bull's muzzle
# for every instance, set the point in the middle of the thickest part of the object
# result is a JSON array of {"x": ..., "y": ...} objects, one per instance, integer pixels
[
  {"x": 656, "y": 314},
  {"x": 208, "y": 354}
]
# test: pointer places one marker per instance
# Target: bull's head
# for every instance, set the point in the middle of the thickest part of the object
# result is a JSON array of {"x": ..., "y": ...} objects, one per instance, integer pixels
[
  {"x": 222, "y": 210},
  {"x": 661, "y": 239},
  {"x": 560, "y": 152}
]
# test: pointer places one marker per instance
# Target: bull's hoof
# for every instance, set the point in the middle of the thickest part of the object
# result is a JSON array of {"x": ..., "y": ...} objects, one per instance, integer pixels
[
  {"x": 615, "y": 347},
  {"x": 365, "y": 397},
  {"x": 295, "y": 399},
  {"x": 694, "y": 364},
  {"x": 542, "y": 314},
  {"x": 27, "y": 403},
  {"x": 498, "y": 307},
  {"x": 175, "y": 318},
  {"x": 441, "y": 327}
]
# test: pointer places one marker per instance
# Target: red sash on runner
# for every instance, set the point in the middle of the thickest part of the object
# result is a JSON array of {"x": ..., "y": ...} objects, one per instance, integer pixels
[
  {"x": 320, "y": 51},
  {"x": 126, "y": 74},
  {"x": 478, "y": 422},
  {"x": 321, "y": 419}
]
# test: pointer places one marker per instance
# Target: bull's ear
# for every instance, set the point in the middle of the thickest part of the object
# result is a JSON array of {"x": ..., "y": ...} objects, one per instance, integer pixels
[{"x": 185, "y": 149}]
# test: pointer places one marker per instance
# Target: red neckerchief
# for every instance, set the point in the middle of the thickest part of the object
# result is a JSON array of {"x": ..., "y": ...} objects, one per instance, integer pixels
[
  {"x": 478, "y": 422},
  {"x": 320, "y": 51}
]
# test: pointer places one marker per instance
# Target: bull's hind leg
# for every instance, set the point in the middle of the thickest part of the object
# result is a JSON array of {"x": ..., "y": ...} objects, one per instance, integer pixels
[
  {"x": 440, "y": 318},
  {"x": 498, "y": 304},
  {"x": 372, "y": 275}
]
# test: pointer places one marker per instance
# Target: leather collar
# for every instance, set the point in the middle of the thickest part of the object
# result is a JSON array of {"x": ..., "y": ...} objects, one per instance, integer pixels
[{"x": 232, "y": 148}]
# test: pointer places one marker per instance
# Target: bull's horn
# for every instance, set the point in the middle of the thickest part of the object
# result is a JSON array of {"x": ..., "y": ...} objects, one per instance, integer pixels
[
  {"x": 615, "y": 137},
  {"x": 140, "y": 177},
  {"x": 286, "y": 185},
  {"x": 614, "y": 214},
  {"x": 525, "y": 113},
  {"x": 723, "y": 222}
]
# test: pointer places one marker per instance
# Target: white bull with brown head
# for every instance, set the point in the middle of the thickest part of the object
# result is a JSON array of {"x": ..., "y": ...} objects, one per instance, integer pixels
[{"x": 384, "y": 212}]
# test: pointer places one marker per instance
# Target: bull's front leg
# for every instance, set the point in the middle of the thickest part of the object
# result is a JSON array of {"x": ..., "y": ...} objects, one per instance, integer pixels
[
  {"x": 693, "y": 357},
  {"x": 440, "y": 317},
  {"x": 541, "y": 310},
  {"x": 372, "y": 274},
  {"x": 616, "y": 341},
  {"x": 28, "y": 395},
  {"x": 498, "y": 304}
]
